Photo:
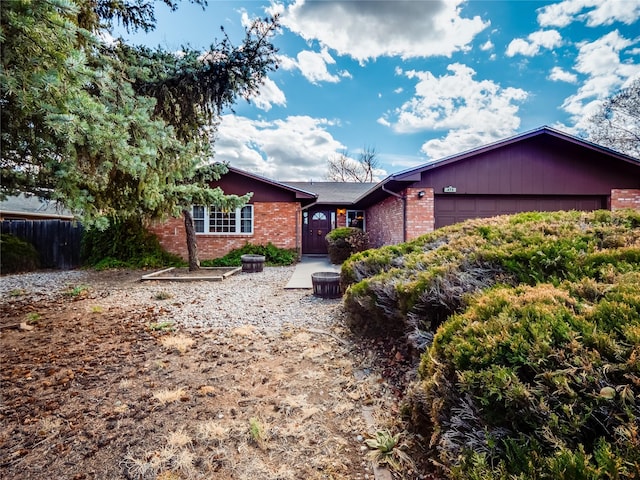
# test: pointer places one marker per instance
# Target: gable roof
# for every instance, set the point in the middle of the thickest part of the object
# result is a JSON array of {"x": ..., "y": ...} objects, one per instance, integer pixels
[
  {"x": 544, "y": 130},
  {"x": 299, "y": 192},
  {"x": 334, "y": 193},
  {"x": 398, "y": 181}
]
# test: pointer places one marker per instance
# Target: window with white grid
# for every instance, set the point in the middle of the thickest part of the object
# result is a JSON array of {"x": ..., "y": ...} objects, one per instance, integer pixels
[{"x": 216, "y": 221}]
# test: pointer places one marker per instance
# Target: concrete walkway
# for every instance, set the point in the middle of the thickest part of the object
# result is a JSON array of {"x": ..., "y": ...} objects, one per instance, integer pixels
[{"x": 301, "y": 277}]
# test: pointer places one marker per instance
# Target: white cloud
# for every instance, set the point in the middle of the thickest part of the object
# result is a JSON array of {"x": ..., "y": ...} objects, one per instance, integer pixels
[
  {"x": 398, "y": 90},
  {"x": 313, "y": 66},
  {"x": 473, "y": 112},
  {"x": 367, "y": 30},
  {"x": 600, "y": 62},
  {"x": 557, "y": 74},
  {"x": 269, "y": 95},
  {"x": 295, "y": 148},
  {"x": 488, "y": 45},
  {"x": 541, "y": 39},
  {"x": 593, "y": 12}
]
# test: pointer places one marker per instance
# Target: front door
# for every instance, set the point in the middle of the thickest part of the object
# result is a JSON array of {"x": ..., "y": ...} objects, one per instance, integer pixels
[{"x": 315, "y": 227}]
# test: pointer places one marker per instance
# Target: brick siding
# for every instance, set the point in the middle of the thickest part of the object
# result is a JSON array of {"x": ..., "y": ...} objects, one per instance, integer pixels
[
  {"x": 384, "y": 222},
  {"x": 420, "y": 212},
  {"x": 625, "y": 198},
  {"x": 274, "y": 222},
  {"x": 384, "y": 219}
]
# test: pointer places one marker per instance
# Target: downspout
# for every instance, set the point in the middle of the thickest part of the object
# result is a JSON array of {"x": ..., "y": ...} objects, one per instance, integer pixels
[
  {"x": 299, "y": 232},
  {"x": 404, "y": 211}
]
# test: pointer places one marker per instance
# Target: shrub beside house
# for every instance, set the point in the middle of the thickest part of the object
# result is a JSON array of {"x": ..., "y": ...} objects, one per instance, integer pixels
[{"x": 530, "y": 328}]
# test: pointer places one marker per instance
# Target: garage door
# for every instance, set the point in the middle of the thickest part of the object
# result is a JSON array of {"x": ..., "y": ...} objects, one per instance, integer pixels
[{"x": 450, "y": 209}]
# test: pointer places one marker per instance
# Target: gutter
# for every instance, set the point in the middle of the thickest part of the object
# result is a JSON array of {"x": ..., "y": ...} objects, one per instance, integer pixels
[{"x": 404, "y": 210}]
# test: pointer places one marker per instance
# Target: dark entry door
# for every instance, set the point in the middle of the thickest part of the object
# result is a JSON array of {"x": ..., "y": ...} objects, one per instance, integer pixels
[{"x": 315, "y": 228}]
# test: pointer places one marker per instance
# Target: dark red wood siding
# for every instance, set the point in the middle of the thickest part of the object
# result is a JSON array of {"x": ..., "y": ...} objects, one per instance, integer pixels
[
  {"x": 541, "y": 165},
  {"x": 235, "y": 184}
]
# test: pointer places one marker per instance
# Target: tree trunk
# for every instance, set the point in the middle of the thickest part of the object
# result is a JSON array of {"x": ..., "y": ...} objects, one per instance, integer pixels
[{"x": 192, "y": 245}]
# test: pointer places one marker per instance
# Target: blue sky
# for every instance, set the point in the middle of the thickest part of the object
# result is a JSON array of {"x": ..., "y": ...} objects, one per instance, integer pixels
[{"x": 416, "y": 80}]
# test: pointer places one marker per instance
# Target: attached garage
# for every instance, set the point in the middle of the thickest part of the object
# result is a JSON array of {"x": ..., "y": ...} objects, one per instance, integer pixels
[
  {"x": 450, "y": 209},
  {"x": 541, "y": 170}
]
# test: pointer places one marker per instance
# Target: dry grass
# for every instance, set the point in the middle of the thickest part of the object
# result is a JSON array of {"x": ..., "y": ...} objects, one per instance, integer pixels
[
  {"x": 181, "y": 343},
  {"x": 211, "y": 431},
  {"x": 179, "y": 439},
  {"x": 125, "y": 384},
  {"x": 48, "y": 426},
  {"x": 165, "y": 395}
]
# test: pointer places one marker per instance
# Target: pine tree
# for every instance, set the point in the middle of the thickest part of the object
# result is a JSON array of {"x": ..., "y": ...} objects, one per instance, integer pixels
[{"x": 117, "y": 131}]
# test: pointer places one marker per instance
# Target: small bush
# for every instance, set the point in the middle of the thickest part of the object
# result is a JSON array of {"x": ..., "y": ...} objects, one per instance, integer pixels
[
  {"x": 16, "y": 255},
  {"x": 125, "y": 244},
  {"x": 345, "y": 241},
  {"x": 274, "y": 256},
  {"x": 537, "y": 382}
]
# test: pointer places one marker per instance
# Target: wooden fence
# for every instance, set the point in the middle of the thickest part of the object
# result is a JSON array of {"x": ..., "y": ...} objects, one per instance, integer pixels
[{"x": 57, "y": 241}]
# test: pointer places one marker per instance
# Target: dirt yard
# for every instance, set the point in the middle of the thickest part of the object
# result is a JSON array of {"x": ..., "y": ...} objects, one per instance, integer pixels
[{"x": 96, "y": 387}]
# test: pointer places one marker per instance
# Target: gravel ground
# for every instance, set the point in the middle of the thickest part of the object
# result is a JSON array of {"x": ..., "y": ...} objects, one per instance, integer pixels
[{"x": 256, "y": 299}]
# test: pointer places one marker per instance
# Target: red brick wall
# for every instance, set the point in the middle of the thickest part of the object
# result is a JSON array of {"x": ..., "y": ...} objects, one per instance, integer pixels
[
  {"x": 384, "y": 219},
  {"x": 274, "y": 222},
  {"x": 420, "y": 213},
  {"x": 384, "y": 222},
  {"x": 625, "y": 198}
]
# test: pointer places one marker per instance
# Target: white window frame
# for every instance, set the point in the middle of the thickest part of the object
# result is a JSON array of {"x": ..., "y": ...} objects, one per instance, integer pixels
[
  {"x": 238, "y": 220},
  {"x": 364, "y": 217}
]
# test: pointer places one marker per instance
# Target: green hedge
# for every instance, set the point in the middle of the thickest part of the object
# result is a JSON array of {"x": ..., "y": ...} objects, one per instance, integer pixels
[
  {"x": 345, "y": 241},
  {"x": 537, "y": 382},
  {"x": 274, "y": 256},
  {"x": 534, "y": 368},
  {"x": 417, "y": 285},
  {"x": 125, "y": 244}
]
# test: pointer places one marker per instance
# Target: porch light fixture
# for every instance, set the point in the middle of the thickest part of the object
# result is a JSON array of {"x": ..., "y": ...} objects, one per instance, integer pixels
[
  {"x": 421, "y": 194},
  {"x": 342, "y": 211}
]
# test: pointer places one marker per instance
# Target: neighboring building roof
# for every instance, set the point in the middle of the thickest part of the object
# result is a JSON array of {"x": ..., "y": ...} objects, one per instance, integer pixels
[
  {"x": 334, "y": 193},
  {"x": 32, "y": 207}
]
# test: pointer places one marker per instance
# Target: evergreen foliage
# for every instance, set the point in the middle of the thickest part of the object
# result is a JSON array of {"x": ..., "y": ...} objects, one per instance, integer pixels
[
  {"x": 115, "y": 131},
  {"x": 414, "y": 287},
  {"x": 537, "y": 382},
  {"x": 343, "y": 242},
  {"x": 531, "y": 325},
  {"x": 16, "y": 255},
  {"x": 273, "y": 256},
  {"x": 125, "y": 244}
]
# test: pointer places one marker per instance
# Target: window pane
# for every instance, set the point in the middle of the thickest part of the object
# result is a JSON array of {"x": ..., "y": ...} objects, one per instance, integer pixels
[
  {"x": 198, "y": 218},
  {"x": 246, "y": 219},
  {"x": 355, "y": 218}
]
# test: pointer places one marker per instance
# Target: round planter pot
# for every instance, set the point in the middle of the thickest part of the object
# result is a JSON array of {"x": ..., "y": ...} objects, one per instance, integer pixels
[
  {"x": 252, "y": 263},
  {"x": 326, "y": 284}
]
